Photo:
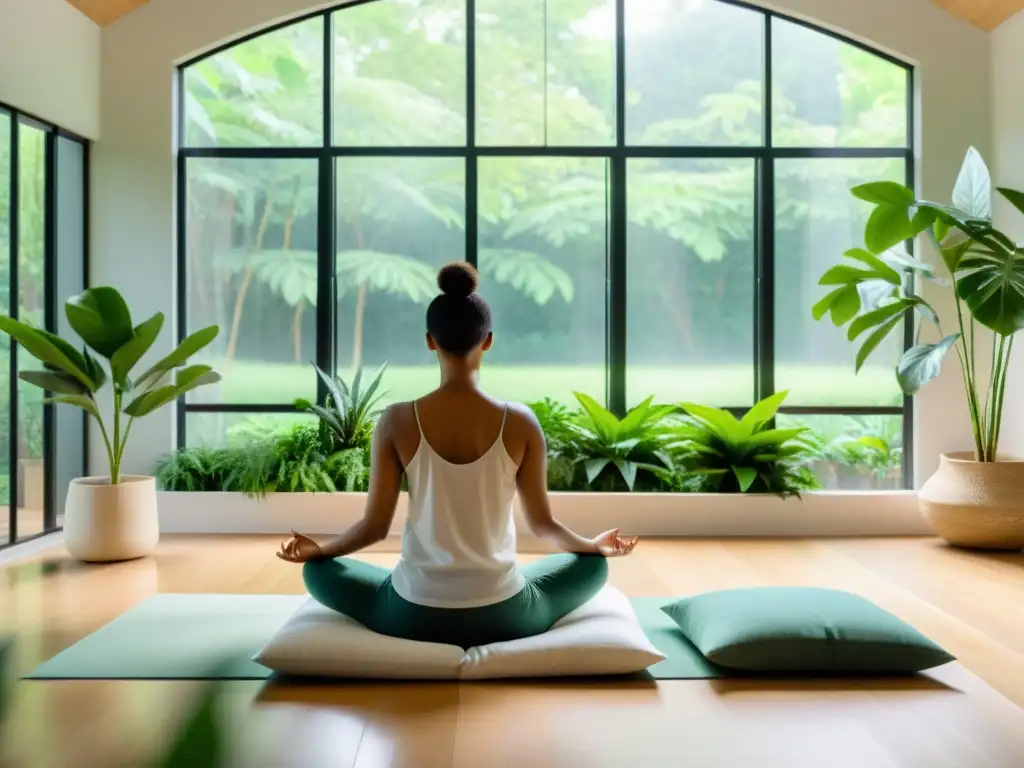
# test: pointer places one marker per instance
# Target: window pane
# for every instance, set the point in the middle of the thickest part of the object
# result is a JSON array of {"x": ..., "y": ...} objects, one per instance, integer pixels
[
  {"x": 828, "y": 93},
  {"x": 817, "y": 221},
  {"x": 265, "y": 92},
  {"x": 543, "y": 255},
  {"x": 5, "y": 341},
  {"x": 690, "y": 288},
  {"x": 31, "y": 305},
  {"x": 70, "y": 273},
  {"x": 233, "y": 430},
  {"x": 545, "y": 72},
  {"x": 400, "y": 73},
  {"x": 858, "y": 453},
  {"x": 400, "y": 219},
  {"x": 694, "y": 73},
  {"x": 252, "y": 266}
]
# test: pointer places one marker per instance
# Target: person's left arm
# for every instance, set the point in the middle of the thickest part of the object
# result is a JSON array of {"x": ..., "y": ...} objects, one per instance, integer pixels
[{"x": 385, "y": 484}]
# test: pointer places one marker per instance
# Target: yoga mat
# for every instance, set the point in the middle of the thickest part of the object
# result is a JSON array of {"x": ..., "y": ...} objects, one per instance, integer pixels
[{"x": 188, "y": 637}]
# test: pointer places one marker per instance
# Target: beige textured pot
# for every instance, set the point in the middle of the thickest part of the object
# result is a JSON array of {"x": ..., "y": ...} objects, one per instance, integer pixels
[
  {"x": 974, "y": 504},
  {"x": 106, "y": 523}
]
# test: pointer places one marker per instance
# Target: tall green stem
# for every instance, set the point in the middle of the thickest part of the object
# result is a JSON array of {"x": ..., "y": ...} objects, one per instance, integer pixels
[
  {"x": 106, "y": 440},
  {"x": 1002, "y": 392},
  {"x": 967, "y": 367},
  {"x": 115, "y": 464}
]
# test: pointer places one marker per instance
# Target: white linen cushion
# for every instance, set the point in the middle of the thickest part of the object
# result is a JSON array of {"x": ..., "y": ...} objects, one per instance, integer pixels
[
  {"x": 319, "y": 642},
  {"x": 601, "y": 637}
]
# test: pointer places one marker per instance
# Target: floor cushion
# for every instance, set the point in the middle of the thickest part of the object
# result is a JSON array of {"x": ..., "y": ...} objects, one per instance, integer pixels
[
  {"x": 602, "y": 637},
  {"x": 789, "y": 629}
]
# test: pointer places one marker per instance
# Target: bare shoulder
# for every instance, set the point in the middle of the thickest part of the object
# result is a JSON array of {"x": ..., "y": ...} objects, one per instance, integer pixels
[
  {"x": 522, "y": 419},
  {"x": 396, "y": 419}
]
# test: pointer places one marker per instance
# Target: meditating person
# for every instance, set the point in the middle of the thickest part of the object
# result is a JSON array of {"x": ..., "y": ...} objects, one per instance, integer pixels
[{"x": 465, "y": 455}]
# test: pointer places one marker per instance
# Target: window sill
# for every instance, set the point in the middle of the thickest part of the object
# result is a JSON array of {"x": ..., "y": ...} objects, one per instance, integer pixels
[{"x": 823, "y": 514}]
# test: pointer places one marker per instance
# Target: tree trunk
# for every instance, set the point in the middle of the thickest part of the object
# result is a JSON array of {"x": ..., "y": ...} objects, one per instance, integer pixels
[
  {"x": 300, "y": 308},
  {"x": 357, "y": 332},
  {"x": 357, "y": 326},
  {"x": 243, "y": 289}
]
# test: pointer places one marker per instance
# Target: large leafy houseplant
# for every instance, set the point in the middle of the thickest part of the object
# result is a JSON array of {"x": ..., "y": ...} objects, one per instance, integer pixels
[
  {"x": 101, "y": 319},
  {"x": 631, "y": 449},
  {"x": 874, "y": 289},
  {"x": 746, "y": 455}
]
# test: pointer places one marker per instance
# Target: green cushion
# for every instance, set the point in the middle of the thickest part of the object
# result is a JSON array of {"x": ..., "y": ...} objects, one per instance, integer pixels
[{"x": 802, "y": 630}]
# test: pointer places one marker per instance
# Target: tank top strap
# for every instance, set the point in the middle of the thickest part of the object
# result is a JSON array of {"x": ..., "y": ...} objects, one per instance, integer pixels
[
  {"x": 416, "y": 413},
  {"x": 504, "y": 418}
]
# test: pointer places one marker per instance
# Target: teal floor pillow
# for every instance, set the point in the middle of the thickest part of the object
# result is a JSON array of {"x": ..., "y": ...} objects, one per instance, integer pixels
[{"x": 791, "y": 629}]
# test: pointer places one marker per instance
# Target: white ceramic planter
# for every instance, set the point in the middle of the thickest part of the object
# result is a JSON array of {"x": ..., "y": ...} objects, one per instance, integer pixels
[
  {"x": 974, "y": 504},
  {"x": 692, "y": 515},
  {"x": 106, "y": 523}
]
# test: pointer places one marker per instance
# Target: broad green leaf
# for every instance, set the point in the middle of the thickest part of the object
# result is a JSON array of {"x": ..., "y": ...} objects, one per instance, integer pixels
[
  {"x": 871, "y": 343},
  {"x": 717, "y": 420},
  {"x": 875, "y": 443},
  {"x": 635, "y": 418},
  {"x": 899, "y": 259},
  {"x": 973, "y": 190},
  {"x": 885, "y": 193},
  {"x": 841, "y": 274},
  {"x": 143, "y": 337},
  {"x": 39, "y": 344},
  {"x": 879, "y": 268},
  {"x": 150, "y": 401},
  {"x": 604, "y": 421},
  {"x": 746, "y": 477},
  {"x": 994, "y": 292},
  {"x": 922, "y": 363},
  {"x": 594, "y": 467},
  {"x": 887, "y": 226},
  {"x": 79, "y": 401},
  {"x": 845, "y": 306},
  {"x": 94, "y": 369},
  {"x": 824, "y": 306},
  {"x": 190, "y": 346},
  {"x": 54, "y": 381},
  {"x": 628, "y": 471},
  {"x": 954, "y": 253},
  {"x": 772, "y": 437},
  {"x": 202, "y": 741},
  {"x": 101, "y": 318},
  {"x": 188, "y": 375},
  {"x": 7, "y": 679},
  {"x": 873, "y": 318},
  {"x": 1016, "y": 198},
  {"x": 763, "y": 411}
]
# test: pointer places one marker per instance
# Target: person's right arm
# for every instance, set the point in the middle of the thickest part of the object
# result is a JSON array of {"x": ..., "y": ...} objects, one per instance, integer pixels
[{"x": 532, "y": 484}]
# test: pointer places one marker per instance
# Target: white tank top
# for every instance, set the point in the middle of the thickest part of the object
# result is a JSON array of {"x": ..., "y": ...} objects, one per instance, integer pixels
[{"x": 459, "y": 545}]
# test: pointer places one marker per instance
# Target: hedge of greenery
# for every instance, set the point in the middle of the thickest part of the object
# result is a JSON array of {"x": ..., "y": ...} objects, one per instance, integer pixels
[{"x": 681, "y": 448}]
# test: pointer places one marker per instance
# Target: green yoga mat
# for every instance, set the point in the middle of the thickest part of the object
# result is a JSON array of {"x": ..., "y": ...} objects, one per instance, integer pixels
[{"x": 187, "y": 637}]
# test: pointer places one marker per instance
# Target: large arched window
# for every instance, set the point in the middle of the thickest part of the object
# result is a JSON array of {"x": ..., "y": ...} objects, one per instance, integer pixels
[{"x": 650, "y": 188}]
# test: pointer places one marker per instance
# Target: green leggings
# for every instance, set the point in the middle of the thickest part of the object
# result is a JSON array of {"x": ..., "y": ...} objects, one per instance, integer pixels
[{"x": 555, "y": 586}]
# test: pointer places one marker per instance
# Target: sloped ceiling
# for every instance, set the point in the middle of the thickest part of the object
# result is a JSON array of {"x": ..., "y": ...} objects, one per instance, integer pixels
[
  {"x": 105, "y": 12},
  {"x": 987, "y": 14}
]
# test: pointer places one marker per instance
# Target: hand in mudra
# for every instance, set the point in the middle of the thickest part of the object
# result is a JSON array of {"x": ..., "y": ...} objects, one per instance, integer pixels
[
  {"x": 299, "y": 549},
  {"x": 611, "y": 544}
]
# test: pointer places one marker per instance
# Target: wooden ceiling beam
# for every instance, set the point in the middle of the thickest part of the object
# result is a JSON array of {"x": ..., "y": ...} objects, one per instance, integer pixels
[
  {"x": 105, "y": 12},
  {"x": 986, "y": 14}
]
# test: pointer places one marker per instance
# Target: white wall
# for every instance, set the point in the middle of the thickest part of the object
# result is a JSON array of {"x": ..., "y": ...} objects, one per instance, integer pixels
[
  {"x": 1008, "y": 171},
  {"x": 133, "y": 165},
  {"x": 50, "y": 63}
]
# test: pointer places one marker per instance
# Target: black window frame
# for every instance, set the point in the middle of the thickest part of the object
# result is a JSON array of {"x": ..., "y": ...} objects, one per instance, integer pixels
[
  {"x": 51, "y": 306},
  {"x": 617, "y": 154}
]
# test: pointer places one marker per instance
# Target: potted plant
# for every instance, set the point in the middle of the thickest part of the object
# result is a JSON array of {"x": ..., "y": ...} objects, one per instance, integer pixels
[
  {"x": 976, "y": 499},
  {"x": 113, "y": 517}
]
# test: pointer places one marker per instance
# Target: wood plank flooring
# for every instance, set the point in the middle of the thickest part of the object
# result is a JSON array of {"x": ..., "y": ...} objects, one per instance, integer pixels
[{"x": 966, "y": 714}]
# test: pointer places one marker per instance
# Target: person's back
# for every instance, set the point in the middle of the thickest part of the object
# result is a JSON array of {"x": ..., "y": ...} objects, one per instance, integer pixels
[
  {"x": 465, "y": 456},
  {"x": 459, "y": 544}
]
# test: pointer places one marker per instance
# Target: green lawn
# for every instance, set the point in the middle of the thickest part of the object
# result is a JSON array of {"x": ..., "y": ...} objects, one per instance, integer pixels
[{"x": 257, "y": 382}]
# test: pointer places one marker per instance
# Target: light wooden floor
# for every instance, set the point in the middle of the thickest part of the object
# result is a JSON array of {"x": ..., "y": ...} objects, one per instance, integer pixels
[{"x": 962, "y": 715}]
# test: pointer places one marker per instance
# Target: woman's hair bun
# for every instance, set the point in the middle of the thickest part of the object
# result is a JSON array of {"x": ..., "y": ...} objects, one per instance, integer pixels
[{"x": 457, "y": 279}]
